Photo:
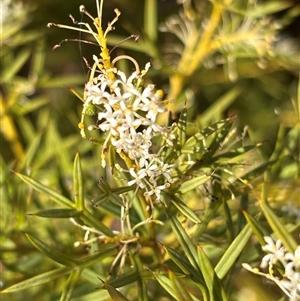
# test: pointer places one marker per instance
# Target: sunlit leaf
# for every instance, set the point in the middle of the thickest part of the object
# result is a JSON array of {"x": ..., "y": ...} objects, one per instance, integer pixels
[
  {"x": 195, "y": 143},
  {"x": 185, "y": 241},
  {"x": 57, "y": 273},
  {"x": 184, "y": 209},
  {"x": 114, "y": 293},
  {"x": 233, "y": 252},
  {"x": 16, "y": 65},
  {"x": 207, "y": 216},
  {"x": 193, "y": 183},
  {"x": 256, "y": 228},
  {"x": 235, "y": 152},
  {"x": 180, "y": 290},
  {"x": 150, "y": 14},
  {"x": 183, "y": 263},
  {"x": 49, "y": 192},
  {"x": 278, "y": 228},
  {"x": 268, "y": 8},
  {"x": 211, "y": 279},
  {"x": 39, "y": 279},
  {"x": 165, "y": 282},
  {"x": 78, "y": 184},
  {"x": 70, "y": 285},
  {"x": 140, "y": 282}
]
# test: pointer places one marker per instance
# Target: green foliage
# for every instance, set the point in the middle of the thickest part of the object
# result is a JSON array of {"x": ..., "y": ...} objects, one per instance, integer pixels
[{"x": 74, "y": 229}]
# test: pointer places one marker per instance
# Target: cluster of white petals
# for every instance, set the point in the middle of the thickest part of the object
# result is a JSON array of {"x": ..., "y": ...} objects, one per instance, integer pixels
[
  {"x": 290, "y": 282},
  {"x": 127, "y": 112}
]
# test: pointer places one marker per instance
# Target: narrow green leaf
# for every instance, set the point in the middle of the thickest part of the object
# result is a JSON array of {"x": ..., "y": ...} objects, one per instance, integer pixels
[
  {"x": 33, "y": 105},
  {"x": 104, "y": 186},
  {"x": 244, "y": 204},
  {"x": 39, "y": 279},
  {"x": 31, "y": 151},
  {"x": 218, "y": 139},
  {"x": 120, "y": 190},
  {"x": 91, "y": 220},
  {"x": 150, "y": 13},
  {"x": 60, "y": 81},
  {"x": 70, "y": 286},
  {"x": 278, "y": 228},
  {"x": 114, "y": 293},
  {"x": 102, "y": 197},
  {"x": 182, "y": 127},
  {"x": 255, "y": 227},
  {"x": 296, "y": 102},
  {"x": 111, "y": 158},
  {"x": 219, "y": 106},
  {"x": 233, "y": 252},
  {"x": 57, "y": 273},
  {"x": 16, "y": 65},
  {"x": 165, "y": 283},
  {"x": 57, "y": 213},
  {"x": 180, "y": 133},
  {"x": 78, "y": 184},
  {"x": 111, "y": 194},
  {"x": 252, "y": 174},
  {"x": 12, "y": 29},
  {"x": 38, "y": 59},
  {"x": 193, "y": 183},
  {"x": 184, "y": 209},
  {"x": 51, "y": 193},
  {"x": 181, "y": 292},
  {"x": 99, "y": 295},
  {"x": 268, "y": 8},
  {"x": 140, "y": 283},
  {"x": 213, "y": 283},
  {"x": 183, "y": 263},
  {"x": 103, "y": 252},
  {"x": 149, "y": 41},
  {"x": 249, "y": 176},
  {"x": 186, "y": 243},
  {"x": 228, "y": 221},
  {"x": 55, "y": 196},
  {"x": 209, "y": 213},
  {"x": 116, "y": 199},
  {"x": 195, "y": 143},
  {"x": 54, "y": 254},
  {"x": 235, "y": 153},
  {"x": 126, "y": 279}
]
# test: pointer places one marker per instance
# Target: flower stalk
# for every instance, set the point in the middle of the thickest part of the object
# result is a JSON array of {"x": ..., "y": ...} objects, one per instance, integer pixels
[{"x": 126, "y": 112}]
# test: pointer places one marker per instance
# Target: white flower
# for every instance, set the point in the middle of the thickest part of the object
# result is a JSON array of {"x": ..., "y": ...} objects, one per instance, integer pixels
[
  {"x": 137, "y": 177},
  {"x": 128, "y": 112},
  {"x": 95, "y": 94},
  {"x": 276, "y": 251},
  {"x": 292, "y": 285},
  {"x": 156, "y": 190},
  {"x": 166, "y": 169},
  {"x": 110, "y": 117},
  {"x": 290, "y": 281},
  {"x": 293, "y": 259}
]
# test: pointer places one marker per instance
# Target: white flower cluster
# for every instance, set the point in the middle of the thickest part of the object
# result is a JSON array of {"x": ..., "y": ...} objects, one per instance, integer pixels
[
  {"x": 290, "y": 282},
  {"x": 128, "y": 112},
  {"x": 290, "y": 262}
]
